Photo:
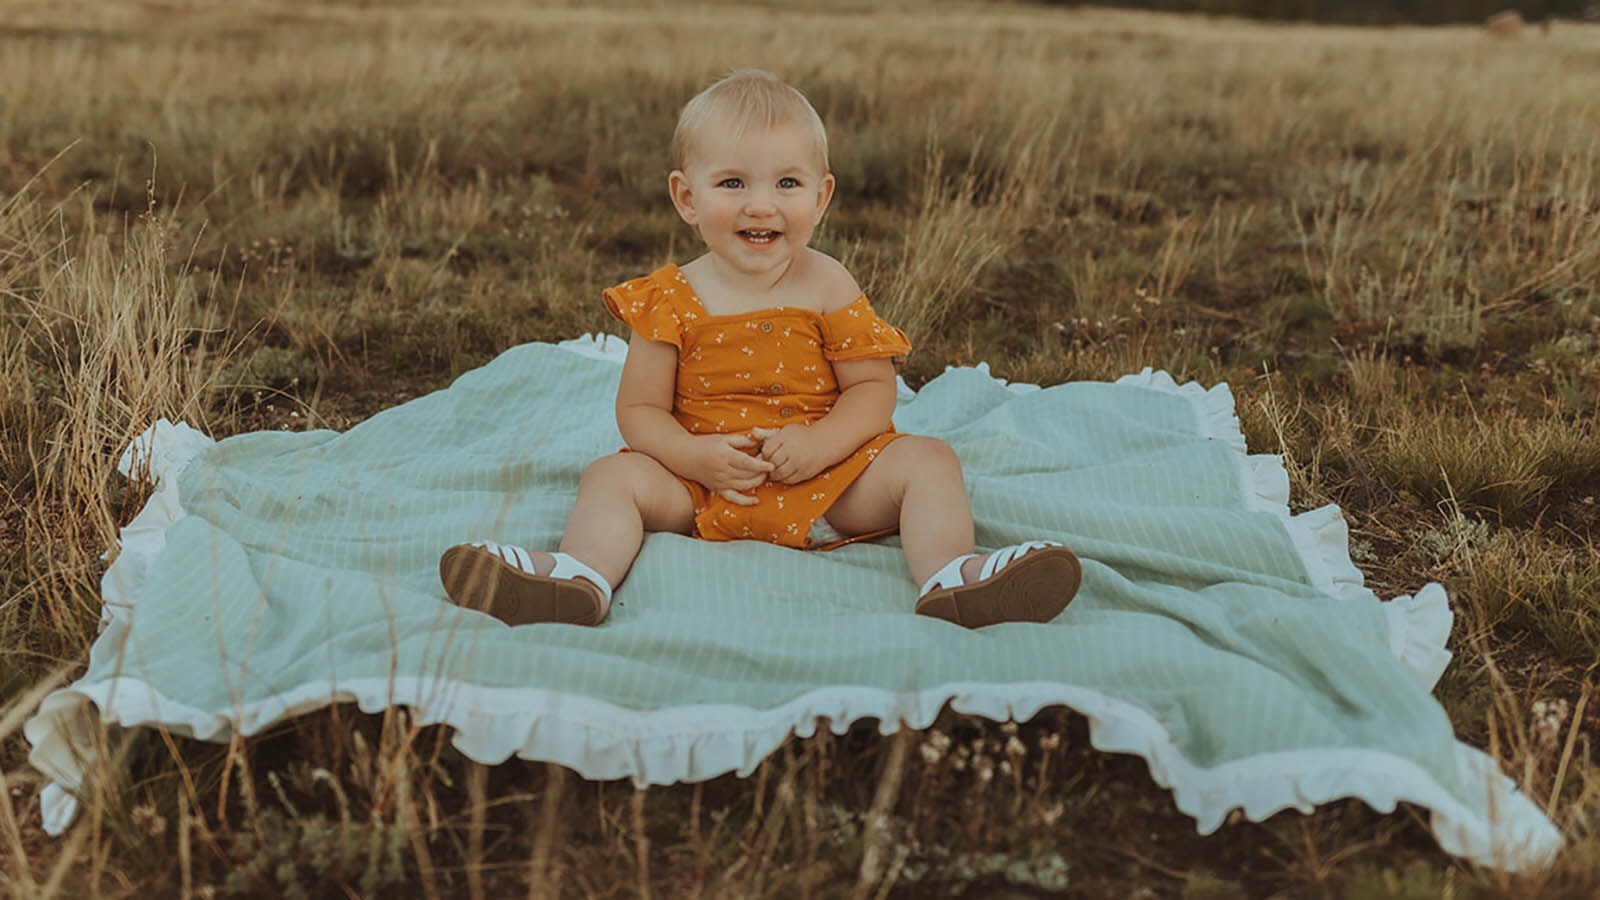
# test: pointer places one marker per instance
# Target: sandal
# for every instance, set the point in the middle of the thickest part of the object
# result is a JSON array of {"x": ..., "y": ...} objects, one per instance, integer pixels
[
  {"x": 1031, "y": 582},
  {"x": 498, "y": 579}
]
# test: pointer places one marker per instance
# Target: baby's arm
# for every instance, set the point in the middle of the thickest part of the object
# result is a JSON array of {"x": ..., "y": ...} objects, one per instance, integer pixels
[
  {"x": 644, "y": 416},
  {"x": 866, "y": 401}
]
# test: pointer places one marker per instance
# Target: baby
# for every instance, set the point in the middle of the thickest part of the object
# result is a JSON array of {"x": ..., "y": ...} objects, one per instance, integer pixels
[{"x": 756, "y": 401}]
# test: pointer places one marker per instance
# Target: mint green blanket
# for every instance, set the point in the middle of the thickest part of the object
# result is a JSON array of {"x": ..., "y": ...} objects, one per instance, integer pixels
[{"x": 1227, "y": 642}]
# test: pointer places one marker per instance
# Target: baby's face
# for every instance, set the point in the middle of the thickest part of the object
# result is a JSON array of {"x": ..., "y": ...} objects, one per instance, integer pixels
[{"x": 756, "y": 198}]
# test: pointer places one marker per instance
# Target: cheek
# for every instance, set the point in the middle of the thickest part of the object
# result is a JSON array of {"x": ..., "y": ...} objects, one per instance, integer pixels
[
  {"x": 713, "y": 214},
  {"x": 805, "y": 212},
  {"x": 727, "y": 210}
]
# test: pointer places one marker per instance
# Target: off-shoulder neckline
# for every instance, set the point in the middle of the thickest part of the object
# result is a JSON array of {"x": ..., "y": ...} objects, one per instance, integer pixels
[{"x": 670, "y": 275}]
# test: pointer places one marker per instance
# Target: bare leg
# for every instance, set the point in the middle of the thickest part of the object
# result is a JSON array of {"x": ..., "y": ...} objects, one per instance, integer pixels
[
  {"x": 620, "y": 497},
  {"x": 915, "y": 483}
]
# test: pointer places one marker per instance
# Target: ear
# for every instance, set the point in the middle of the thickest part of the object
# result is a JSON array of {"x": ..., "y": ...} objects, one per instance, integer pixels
[
  {"x": 682, "y": 195},
  {"x": 824, "y": 196}
]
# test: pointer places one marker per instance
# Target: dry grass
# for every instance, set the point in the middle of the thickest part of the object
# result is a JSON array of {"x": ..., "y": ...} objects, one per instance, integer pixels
[{"x": 288, "y": 213}]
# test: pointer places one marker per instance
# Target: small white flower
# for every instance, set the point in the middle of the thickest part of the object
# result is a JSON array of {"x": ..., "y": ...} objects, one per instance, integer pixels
[
  {"x": 983, "y": 767},
  {"x": 146, "y": 819},
  {"x": 1548, "y": 717}
]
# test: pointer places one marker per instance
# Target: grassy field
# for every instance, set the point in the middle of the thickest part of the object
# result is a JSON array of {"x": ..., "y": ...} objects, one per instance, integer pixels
[{"x": 292, "y": 214}]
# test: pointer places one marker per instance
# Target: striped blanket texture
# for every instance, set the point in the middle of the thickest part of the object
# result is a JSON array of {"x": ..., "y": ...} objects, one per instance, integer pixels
[{"x": 1229, "y": 643}]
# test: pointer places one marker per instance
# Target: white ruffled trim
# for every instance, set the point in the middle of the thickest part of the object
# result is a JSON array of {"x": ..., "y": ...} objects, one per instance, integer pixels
[
  {"x": 1419, "y": 624},
  {"x": 62, "y": 731},
  {"x": 598, "y": 346},
  {"x": 1213, "y": 408},
  {"x": 157, "y": 455},
  {"x": 982, "y": 368},
  {"x": 604, "y": 741}
]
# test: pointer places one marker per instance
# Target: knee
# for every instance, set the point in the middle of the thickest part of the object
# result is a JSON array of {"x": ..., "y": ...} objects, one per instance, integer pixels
[
  {"x": 928, "y": 454},
  {"x": 619, "y": 470}
]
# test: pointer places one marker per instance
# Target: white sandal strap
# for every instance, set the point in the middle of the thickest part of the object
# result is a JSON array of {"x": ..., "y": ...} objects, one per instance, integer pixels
[
  {"x": 1005, "y": 556},
  {"x": 950, "y": 575},
  {"x": 567, "y": 566},
  {"x": 522, "y": 559},
  {"x": 947, "y": 577}
]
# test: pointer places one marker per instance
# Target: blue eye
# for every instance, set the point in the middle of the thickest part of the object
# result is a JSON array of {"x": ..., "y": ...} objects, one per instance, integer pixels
[
  {"x": 734, "y": 183},
  {"x": 788, "y": 183}
]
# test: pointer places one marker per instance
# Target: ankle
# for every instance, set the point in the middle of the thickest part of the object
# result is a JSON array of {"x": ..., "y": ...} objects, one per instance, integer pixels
[
  {"x": 543, "y": 562},
  {"x": 973, "y": 567},
  {"x": 585, "y": 573}
]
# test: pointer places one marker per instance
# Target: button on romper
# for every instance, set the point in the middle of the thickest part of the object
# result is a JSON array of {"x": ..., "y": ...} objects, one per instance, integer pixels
[{"x": 764, "y": 369}]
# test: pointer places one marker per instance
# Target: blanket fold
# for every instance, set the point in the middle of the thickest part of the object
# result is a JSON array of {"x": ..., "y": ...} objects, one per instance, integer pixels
[{"x": 1229, "y": 643}]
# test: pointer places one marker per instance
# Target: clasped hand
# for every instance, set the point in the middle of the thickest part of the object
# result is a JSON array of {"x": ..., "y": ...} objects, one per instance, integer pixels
[
  {"x": 786, "y": 455},
  {"x": 793, "y": 451},
  {"x": 728, "y": 468}
]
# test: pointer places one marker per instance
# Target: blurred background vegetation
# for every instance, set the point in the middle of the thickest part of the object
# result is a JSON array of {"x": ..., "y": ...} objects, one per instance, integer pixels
[{"x": 1360, "y": 12}]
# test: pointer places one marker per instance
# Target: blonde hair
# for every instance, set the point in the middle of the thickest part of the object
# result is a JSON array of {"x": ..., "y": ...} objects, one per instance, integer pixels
[{"x": 742, "y": 99}]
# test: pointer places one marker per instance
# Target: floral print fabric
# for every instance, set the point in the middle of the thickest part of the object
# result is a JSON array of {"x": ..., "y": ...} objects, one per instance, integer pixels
[{"x": 765, "y": 369}]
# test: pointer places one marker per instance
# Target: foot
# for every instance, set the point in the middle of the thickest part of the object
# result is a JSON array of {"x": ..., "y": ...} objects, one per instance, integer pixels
[
  {"x": 1031, "y": 582},
  {"x": 521, "y": 587}
]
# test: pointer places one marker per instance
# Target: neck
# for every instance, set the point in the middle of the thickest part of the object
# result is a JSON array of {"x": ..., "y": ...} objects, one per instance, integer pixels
[{"x": 748, "y": 283}]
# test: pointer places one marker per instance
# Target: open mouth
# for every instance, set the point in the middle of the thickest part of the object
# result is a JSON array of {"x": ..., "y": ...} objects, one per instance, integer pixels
[{"x": 760, "y": 236}]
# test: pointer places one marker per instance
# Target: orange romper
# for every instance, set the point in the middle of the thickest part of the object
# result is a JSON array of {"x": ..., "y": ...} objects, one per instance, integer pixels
[{"x": 763, "y": 369}]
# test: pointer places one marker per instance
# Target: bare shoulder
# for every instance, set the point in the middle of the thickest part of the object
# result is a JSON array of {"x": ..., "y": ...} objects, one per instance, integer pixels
[{"x": 834, "y": 286}]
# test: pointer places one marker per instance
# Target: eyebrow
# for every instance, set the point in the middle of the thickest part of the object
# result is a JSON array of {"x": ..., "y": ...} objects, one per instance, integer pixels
[{"x": 781, "y": 173}]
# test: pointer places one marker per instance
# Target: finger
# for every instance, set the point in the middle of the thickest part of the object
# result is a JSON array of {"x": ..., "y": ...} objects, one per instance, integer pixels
[
  {"x": 746, "y": 481},
  {"x": 753, "y": 464},
  {"x": 739, "y": 441},
  {"x": 733, "y": 496},
  {"x": 765, "y": 436}
]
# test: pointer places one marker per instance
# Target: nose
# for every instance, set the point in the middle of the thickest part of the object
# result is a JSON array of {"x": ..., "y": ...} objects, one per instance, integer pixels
[{"x": 759, "y": 202}]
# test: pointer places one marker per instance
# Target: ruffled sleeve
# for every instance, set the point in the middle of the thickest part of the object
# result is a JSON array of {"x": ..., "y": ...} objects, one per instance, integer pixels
[
  {"x": 856, "y": 332},
  {"x": 649, "y": 308}
]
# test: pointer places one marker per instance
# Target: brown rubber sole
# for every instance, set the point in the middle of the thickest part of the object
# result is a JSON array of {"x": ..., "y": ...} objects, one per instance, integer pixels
[
  {"x": 477, "y": 579},
  {"x": 1034, "y": 588}
]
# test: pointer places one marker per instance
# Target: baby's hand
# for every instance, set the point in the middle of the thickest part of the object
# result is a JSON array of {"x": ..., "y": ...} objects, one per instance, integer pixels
[
  {"x": 726, "y": 468},
  {"x": 793, "y": 452}
]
